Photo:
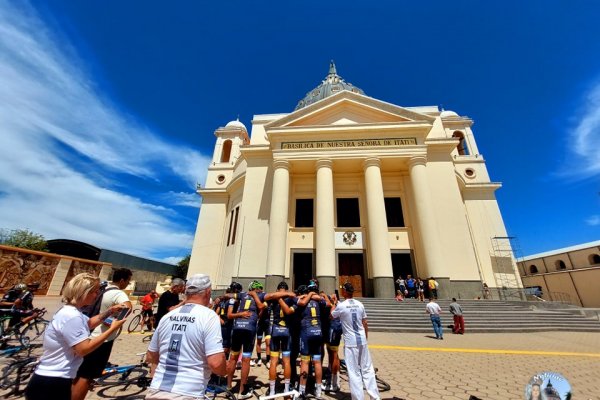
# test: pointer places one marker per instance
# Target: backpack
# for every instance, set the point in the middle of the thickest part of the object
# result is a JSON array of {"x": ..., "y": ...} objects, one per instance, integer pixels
[{"x": 94, "y": 308}]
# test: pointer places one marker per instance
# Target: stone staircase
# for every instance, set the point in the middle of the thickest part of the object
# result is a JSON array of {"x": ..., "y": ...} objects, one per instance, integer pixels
[{"x": 483, "y": 316}]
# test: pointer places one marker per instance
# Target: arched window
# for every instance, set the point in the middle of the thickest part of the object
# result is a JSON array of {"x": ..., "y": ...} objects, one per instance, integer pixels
[
  {"x": 226, "y": 153},
  {"x": 594, "y": 259},
  {"x": 560, "y": 264},
  {"x": 462, "y": 148},
  {"x": 533, "y": 269}
]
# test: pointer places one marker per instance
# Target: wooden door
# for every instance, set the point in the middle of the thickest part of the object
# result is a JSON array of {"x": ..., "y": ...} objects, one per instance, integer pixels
[{"x": 351, "y": 268}]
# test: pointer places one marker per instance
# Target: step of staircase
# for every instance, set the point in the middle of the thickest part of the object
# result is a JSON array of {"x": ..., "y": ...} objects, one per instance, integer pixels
[{"x": 484, "y": 316}]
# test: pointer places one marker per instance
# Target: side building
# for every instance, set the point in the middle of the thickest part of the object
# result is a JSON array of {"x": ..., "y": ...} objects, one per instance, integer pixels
[
  {"x": 570, "y": 274},
  {"x": 351, "y": 188}
]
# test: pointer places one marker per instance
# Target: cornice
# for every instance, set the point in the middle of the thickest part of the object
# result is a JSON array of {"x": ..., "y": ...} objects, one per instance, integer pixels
[
  {"x": 256, "y": 151},
  {"x": 482, "y": 187},
  {"x": 441, "y": 144}
]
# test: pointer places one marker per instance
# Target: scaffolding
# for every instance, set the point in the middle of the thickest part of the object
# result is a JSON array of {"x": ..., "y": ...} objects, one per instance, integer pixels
[{"x": 505, "y": 252}]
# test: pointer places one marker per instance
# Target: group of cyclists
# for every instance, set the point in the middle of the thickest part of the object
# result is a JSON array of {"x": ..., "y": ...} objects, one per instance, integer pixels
[{"x": 291, "y": 323}]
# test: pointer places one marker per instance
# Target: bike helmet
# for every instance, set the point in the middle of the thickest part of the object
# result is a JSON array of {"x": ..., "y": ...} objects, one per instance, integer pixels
[
  {"x": 255, "y": 285},
  {"x": 235, "y": 287},
  {"x": 302, "y": 289},
  {"x": 313, "y": 286},
  {"x": 283, "y": 285},
  {"x": 20, "y": 286}
]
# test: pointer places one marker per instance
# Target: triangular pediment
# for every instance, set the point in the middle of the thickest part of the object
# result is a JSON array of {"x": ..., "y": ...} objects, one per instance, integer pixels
[{"x": 348, "y": 108}]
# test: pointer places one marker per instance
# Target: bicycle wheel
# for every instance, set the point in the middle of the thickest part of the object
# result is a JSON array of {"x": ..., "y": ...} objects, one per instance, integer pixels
[
  {"x": 36, "y": 329},
  {"x": 119, "y": 378},
  {"x": 134, "y": 323},
  {"x": 123, "y": 391},
  {"x": 147, "y": 338},
  {"x": 382, "y": 385}
]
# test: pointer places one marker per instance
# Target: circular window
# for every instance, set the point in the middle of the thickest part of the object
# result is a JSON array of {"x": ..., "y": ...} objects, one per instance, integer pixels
[
  {"x": 220, "y": 179},
  {"x": 470, "y": 173}
]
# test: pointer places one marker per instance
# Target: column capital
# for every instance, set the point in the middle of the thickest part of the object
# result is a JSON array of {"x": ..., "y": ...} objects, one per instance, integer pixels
[
  {"x": 371, "y": 162},
  {"x": 324, "y": 163},
  {"x": 277, "y": 164},
  {"x": 417, "y": 160}
]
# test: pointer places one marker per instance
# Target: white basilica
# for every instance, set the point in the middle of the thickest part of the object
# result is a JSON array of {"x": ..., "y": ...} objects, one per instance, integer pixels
[{"x": 351, "y": 188}]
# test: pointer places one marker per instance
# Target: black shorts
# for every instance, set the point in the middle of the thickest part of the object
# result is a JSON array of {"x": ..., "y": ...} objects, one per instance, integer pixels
[
  {"x": 147, "y": 313},
  {"x": 262, "y": 329},
  {"x": 226, "y": 334},
  {"x": 310, "y": 342},
  {"x": 334, "y": 338},
  {"x": 280, "y": 340},
  {"x": 45, "y": 387},
  {"x": 243, "y": 339},
  {"x": 95, "y": 362}
]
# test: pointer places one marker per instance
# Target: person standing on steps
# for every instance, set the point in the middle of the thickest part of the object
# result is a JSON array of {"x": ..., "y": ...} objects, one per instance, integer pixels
[
  {"x": 351, "y": 313},
  {"x": 433, "y": 309},
  {"x": 459, "y": 320}
]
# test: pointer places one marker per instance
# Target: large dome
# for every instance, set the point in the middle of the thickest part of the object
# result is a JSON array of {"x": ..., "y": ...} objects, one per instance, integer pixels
[{"x": 332, "y": 84}]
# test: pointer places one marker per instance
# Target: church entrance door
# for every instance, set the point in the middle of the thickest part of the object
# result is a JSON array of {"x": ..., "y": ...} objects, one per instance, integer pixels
[
  {"x": 351, "y": 269},
  {"x": 303, "y": 268}
]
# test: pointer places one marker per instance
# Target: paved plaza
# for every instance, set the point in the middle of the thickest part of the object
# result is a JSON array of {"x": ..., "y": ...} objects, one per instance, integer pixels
[{"x": 487, "y": 366}]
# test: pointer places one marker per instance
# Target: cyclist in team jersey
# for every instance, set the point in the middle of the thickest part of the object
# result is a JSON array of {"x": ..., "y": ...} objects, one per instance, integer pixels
[
  {"x": 280, "y": 301},
  {"x": 249, "y": 304},
  {"x": 262, "y": 332},
  {"x": 221, "y": 306},
  {"x": 309, "y": 307}
]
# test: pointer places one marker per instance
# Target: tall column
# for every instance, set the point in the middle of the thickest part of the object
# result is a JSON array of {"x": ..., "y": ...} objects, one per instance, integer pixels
[
  {"x": 379, "y": 245},
  {"x": 430, "y": 244},
  {"x": 325, "y": 231},
  {"x": 278, "y": 225}
]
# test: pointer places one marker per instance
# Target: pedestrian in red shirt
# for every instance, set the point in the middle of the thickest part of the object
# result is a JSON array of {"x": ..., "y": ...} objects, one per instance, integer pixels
[{"x": 147, "y": 314}]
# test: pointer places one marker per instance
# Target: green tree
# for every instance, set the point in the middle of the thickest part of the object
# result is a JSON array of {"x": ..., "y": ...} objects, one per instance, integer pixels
[
  {"x": 23, "y": 238},
  {"x": 182, "y": 267}
]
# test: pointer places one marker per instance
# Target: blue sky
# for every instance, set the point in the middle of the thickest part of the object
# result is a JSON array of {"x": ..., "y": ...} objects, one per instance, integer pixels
[{"x": 108, "y": 109}]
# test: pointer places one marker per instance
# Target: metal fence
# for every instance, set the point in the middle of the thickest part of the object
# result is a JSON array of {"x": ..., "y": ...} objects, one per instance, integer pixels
[{"x": 514, "y": 294}]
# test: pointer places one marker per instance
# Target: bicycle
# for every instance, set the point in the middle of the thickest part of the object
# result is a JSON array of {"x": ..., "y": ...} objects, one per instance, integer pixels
[
  {"x": 124, "y": 381},
  {"x": 136, "y": 320},
  {"x": 16, "y": 375},
  {"x": 382, "y": 385},
  {"x": 22, "y": 331}
]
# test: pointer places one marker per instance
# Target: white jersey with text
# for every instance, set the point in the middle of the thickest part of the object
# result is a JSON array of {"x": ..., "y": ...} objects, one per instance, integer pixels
[
  {"x": 184, "y": 338},
  {"x": 351, "y": 313}
]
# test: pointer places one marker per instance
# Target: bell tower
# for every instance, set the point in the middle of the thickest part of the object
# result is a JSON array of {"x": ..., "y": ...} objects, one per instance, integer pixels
[{"x": 226, "y": 154}]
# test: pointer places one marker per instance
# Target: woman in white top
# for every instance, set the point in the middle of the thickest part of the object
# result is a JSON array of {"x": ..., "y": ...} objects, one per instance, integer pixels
[{"x": 67, "y": 340}]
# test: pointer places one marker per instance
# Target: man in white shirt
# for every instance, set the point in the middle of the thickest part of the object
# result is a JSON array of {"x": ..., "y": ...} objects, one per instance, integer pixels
[
  {"x": 433, "y": 309},
  {"x": 352, "y": 314},
  {"x": 186, "y": 346},
  {"x": 95, "y": 362}
]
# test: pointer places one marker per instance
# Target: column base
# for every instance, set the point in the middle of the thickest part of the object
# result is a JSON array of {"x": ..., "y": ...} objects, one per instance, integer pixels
[
  {"x": 271, "y": 282},
  {"x": 384, "y": 287},
  {"x": 327, "y": 284},
  {"x": 445, "y": 288}
]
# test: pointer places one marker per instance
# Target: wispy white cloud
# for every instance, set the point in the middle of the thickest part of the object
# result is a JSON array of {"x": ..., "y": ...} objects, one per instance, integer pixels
[
  {"x": 593, "y": 220},
  {"x": 183, "y": 199},
  {"x": 585, "y": 138},
  {"x": 51, "y": 113}
]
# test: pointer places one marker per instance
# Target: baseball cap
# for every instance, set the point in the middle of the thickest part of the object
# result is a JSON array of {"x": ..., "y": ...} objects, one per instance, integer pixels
[
  {"x": 348, "y": 287},
  {"x": 197, "y": 283}
]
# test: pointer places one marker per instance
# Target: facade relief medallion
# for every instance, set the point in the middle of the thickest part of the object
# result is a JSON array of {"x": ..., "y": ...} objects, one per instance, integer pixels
[{"x": 349, "y": 238}]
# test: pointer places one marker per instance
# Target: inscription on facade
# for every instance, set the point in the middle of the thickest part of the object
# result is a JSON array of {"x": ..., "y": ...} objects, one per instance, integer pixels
[{"x": 331, "y": 144}]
